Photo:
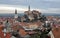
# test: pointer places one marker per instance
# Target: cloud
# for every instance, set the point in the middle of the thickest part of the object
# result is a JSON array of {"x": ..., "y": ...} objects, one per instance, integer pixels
[
  {"x": 21, "y": 9},
  {"x": 51, "y": 10},
  {"x": 11, "y": 8},
  {"x": 53, "y": 0},
  {"x": 34, "y": 3}
]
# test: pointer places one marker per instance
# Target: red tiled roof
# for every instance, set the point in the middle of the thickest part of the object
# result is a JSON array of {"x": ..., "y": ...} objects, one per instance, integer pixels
[
  {"x": 56, "y": 32},
  {"x": 22, "y": 32}
]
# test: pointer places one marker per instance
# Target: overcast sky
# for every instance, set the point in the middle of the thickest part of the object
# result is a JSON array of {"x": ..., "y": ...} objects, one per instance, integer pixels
[{"x": 45, "y": 6}]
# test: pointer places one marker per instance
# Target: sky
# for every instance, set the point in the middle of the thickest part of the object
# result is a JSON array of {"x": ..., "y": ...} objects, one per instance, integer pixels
[{"x": 44, "y": 6}]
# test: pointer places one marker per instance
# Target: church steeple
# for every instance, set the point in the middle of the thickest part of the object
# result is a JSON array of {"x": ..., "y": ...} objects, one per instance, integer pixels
[
  {"x": 15, "y": 11},
  {"x": 16, "y": 15},
  {"x": 29, "y": 8}
]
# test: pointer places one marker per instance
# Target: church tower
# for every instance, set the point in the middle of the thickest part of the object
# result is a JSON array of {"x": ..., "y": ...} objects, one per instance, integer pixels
[
  {"x": 29, "y": 11},
  {"x": 16, "y": 15},
  {"x": 29, "y": 8}
]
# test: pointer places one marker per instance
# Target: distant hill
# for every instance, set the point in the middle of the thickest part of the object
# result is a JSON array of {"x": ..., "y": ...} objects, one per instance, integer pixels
[
  {"x": 21, "y": 14},
  {"x": 10, "y": 15},
  {"x": 50, "y": 14}
]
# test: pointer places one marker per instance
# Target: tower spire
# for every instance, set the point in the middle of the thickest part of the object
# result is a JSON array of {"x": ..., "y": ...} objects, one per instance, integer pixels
[
  {"x": 29, "y": 8},
  {"x": 15, "y": 11},
  {"x": 16, "y": 15}
]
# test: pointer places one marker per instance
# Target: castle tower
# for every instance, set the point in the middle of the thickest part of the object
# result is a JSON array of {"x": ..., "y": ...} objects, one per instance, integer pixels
[{"x": 16, "y": 15}]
